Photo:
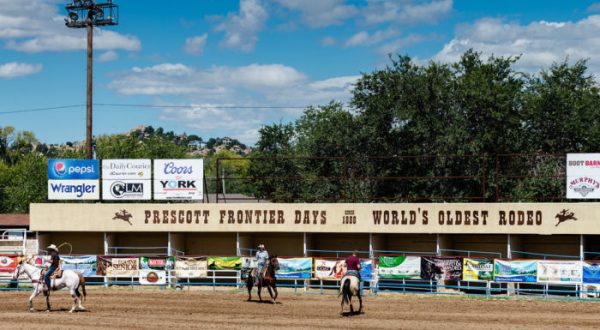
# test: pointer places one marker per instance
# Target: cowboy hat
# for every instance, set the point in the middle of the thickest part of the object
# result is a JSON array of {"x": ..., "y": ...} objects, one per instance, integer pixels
[{"x": 52, "y": 247}]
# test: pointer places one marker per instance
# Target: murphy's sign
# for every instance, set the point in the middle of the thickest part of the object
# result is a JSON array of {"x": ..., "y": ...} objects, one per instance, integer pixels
[{"x": 482, "y": 218}]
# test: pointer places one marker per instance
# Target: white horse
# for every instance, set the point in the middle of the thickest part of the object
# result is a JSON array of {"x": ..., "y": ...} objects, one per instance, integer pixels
[
  {"x": 70, "y": 279},
  {"x": 350, "y": 286}
]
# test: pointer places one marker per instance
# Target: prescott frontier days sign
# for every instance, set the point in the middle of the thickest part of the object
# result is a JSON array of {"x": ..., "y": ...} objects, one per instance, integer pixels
[{"x": 480, "y": 218}]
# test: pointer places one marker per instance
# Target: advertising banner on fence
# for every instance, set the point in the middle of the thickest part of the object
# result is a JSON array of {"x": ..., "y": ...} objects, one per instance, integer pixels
[
  {"x": 441, "y": 268},
  {"x": 73, "y": 179},
  {"x": 8, "y": 265},
  {"x": 220, "y": 263},
  {"x": 294, "y": 268},
  {"x": 190, "y": 267},
  {"x": 515, "y": 270},
  {"x": 565, "y": 272},
  {"x": 178, "y": 179},
  {"x": 478, "y": 269},
  {"x": 85, "y": 265},
  {"x": 327, "y": 269},
  {"x": 400, "y": 267},
  {"x": 583, "y": 176},
  {"x": 153, "y": 277},
  {"x": 366, "y": 269},
  {"x": 117, "y": 267},
  {"x": 156, "y": 263},
  {"x": 591, "y": 273}
]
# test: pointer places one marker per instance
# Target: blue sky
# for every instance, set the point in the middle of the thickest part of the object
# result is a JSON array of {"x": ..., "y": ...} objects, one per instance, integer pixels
[{"x": 194, "y": 63}]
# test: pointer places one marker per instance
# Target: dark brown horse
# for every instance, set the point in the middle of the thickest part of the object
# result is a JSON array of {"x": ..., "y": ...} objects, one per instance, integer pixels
[{"x": 268, "y": 280}]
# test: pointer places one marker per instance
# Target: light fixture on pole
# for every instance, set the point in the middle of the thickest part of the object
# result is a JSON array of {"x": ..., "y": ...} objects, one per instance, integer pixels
[{"x": 87, "y": 14}]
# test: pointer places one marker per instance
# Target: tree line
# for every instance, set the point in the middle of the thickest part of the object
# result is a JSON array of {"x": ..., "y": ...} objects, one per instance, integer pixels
[{"x": 411, "y": 131}]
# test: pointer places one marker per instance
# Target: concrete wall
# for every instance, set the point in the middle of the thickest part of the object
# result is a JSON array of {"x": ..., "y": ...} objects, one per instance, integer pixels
[
  {"x": 210, "y": 244},
  {"x": 404, "y": 242},
  {"x": 83, "y": 243},
  {"x": 484, "y": 243},
  {"x": 345, "y": 242},
  {"x": 285, "y": 244},
  {"x": 554, "y": 244}
]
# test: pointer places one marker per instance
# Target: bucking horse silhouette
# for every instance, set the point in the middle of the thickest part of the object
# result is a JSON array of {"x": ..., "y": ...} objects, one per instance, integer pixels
[
  {"x": 123, "y": 215},
  {"x": 563, "y": 216}
]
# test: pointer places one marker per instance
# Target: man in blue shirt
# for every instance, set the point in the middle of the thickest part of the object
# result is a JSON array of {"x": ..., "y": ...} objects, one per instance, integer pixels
[
  {"x": 262, "y": 257},
  {"x": 52, "y": 265}
]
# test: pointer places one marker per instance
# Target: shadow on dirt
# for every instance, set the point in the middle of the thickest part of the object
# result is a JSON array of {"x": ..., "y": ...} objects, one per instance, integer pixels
[
  {"x": 349, "y": 314},
  {"x": 263, "y": 302}
]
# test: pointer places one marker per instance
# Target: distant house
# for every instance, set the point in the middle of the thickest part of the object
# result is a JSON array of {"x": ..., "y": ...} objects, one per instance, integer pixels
[
  {"x": 196, "y": 145},
  {"x": 227, "y": 141}
]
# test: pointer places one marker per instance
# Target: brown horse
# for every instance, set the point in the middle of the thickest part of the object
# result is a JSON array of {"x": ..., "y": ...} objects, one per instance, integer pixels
[{"x": 268, "y": 280}]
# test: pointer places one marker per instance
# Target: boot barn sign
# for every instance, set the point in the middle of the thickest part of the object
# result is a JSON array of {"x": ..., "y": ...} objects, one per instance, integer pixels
[{"x": 492, "y": 218}]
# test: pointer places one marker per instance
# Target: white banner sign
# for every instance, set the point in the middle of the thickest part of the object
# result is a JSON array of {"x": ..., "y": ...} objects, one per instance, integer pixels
[
  {"x": 329, "y": 269},
  {"x": 126, "y": 189},
  {"x": 191, "y": 268},
  {"x": 119, "y": 169},
  {"x": 178, "y": 179},
  {"x": 568, "y": 272},
  {"x": 583, "y": 176},
  {"x": 73, "y": 189},
  {"x": 153, "y": 277}
]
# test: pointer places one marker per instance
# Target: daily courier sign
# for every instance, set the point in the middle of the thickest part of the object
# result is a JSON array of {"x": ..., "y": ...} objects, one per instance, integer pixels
[
  {"x": 126, "y": 179},
  {"x": 496, "y": 218}
]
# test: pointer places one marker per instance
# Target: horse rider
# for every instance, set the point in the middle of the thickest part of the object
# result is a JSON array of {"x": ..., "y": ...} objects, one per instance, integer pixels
[
  {"x": 262, "y": 257},
  {"x": 352, "y": 266},
  {"x": 51, "y": 264}
]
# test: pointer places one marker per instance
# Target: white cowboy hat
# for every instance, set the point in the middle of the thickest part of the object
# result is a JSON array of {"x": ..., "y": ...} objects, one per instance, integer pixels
[{"x": 52, "y": 247}]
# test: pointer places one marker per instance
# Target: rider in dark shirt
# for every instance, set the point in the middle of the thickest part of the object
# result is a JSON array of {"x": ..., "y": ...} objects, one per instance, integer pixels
[
  {"x": 353, "y": 265},
  {"x": 54, "y": 262}
]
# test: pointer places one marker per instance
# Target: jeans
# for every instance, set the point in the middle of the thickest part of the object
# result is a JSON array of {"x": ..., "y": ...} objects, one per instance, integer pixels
[
  {"x": 260, "y": 269},
  {"x": 49, "y": 272}
]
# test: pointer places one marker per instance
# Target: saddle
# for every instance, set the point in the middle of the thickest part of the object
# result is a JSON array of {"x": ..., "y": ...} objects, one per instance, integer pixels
[{"x": 56, "y": 274}]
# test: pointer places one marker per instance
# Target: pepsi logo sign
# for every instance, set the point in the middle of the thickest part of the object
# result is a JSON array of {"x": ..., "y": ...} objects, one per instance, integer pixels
[{"x": 60, "y": 169}]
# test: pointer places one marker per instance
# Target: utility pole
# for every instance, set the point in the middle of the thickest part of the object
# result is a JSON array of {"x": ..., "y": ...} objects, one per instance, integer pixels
[{"x": 87, "y": 14}]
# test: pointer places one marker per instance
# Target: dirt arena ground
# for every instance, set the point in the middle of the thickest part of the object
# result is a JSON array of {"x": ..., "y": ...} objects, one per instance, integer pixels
[{"x": 166, "y": 309}]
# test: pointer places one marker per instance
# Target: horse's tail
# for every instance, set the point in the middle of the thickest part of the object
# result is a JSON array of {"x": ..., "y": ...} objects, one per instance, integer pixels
[
  {"x": 346, "y": 291},
  {"x": 82, "y": 285}
]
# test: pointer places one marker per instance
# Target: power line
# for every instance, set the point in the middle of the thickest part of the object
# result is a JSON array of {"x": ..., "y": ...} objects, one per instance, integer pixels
[
  {"x": 43, "y": 109},
  {"x": 269, "y": 107},
  {"x": 201, "y": 106}
]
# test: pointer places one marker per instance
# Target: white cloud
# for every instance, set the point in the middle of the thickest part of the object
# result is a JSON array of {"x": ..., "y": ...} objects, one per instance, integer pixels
[
  {"x": 168, "y": 78},
  {"x": 320, "y": 13},
  {"x": 38, "y": 26},
  {"x": 541, "y": 43},
  {"x": 241, "y": 30},
  {"x": 397, "y": 45},
  {"x": 195, "y": 45},
  {"x": 594, "y": 8},
  {"x": 108, "y": 56},
  {"x": 406, "y": 12},
  {"x": 14, "y": 69},
  {"x": 363, "y": 38},
  {"x": 328, "y": 41},
  {"x": 213, "y": 93}
]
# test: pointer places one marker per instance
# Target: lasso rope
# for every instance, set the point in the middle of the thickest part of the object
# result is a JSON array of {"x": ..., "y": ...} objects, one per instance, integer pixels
[{"x": 70, "y": 246}]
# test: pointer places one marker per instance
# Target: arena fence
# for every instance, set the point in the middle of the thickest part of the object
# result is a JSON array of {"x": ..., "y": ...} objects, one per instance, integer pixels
[{"x": 408, "y": 273}]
